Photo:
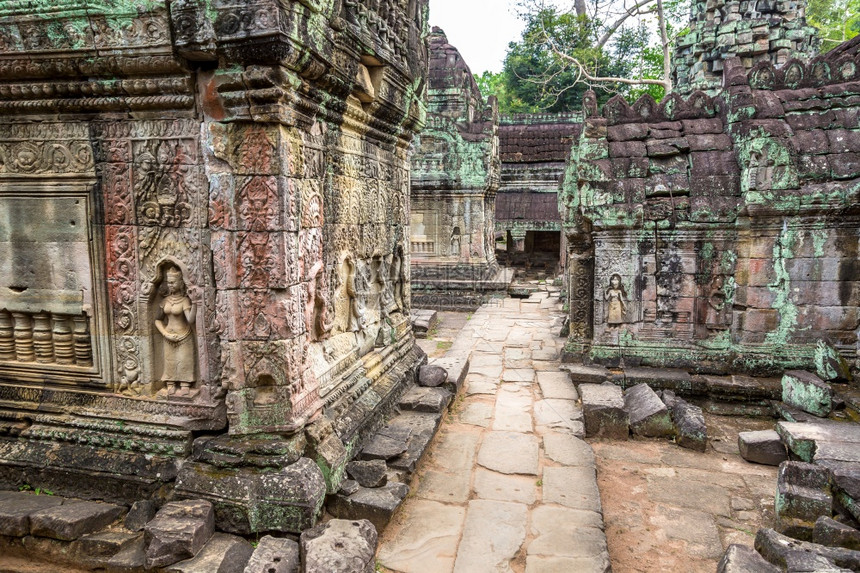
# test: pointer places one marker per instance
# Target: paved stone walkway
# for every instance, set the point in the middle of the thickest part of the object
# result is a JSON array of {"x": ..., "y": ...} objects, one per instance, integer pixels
[{"x": 508, "y": 484}]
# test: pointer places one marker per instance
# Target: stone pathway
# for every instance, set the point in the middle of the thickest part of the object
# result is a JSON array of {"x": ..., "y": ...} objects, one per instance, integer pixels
[{"x": 508, "y": 484}]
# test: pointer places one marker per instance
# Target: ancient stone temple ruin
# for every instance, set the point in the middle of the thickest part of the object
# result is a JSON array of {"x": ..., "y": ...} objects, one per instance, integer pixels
[
  {"x": 720, "y": 234},
  {"x": 455, "y": 176},
  {"x": 204, "y": 254},
  {"x": 533, "y": 149}
]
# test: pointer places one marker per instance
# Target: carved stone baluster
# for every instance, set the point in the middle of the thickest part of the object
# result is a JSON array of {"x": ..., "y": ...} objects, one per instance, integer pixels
[
  {"x": 43, "y": 344},
  {"x": 7, "y": 337},
  {"x": 64, "y": 347},
  {"x": 23, "y": 325},
  {"x": 83, "y": 345}
]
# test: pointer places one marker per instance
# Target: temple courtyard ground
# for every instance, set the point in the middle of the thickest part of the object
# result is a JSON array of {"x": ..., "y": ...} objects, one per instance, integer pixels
[{"x": 509, "y": 483}]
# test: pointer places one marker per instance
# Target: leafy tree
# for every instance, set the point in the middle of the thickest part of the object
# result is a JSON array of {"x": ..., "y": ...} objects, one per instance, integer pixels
[
  {"x": 837, "y": 20},
  {"x": 604, "y": 45}
]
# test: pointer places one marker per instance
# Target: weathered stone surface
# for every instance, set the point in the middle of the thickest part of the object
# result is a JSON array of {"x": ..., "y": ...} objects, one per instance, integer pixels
[
  {"x": 274, "y": 555},
  {"x": 558, "y": 414},
  {"x": 484, "y": 548},
  {"x": 253, "y": 499},
  {"x": 744, "y": 559},
  {"x": 795, "y": 555},
  {"x": 582, "y": 374},
  {"x": 432, "y": 375},
  {"x": 804, "y": 439},
  {"x": 573, "y": 487},
  {"x": 502, "y": 487},
  {"x": 423, "y": 321},
  {"x": 509, "y": 453},
  {"x": 419, "y": 399},
  {"x": 762, "y": 447},
  {"x": 603, "y": 411},
  {"x": 832, "y": 533},
  {"x": 139, "y": 514},
  {"x": 73, "y": 519},
  {"x": 572, "y": 540},
  {"x": 427, "y": 541},
  {"x": 690, "y": 429},
  {"x": 104, "y": 545},
  {"x": 659, "y": 378},
  {"x": 568, "y": 450},
  {"x": 647, "y": 413},
  {"x": 370, "y": 473},
  {"x": 339, "y": 546},
  {"x": 557, "y": 385},
  {"x": 16, "y": 509},
  {"x": 456, "y": 364},
  {"x": 223, "y": 553},
  {"x": 130, "y": 559},
  {"x": 807, "y": 392},
  {"x": 387, "y": 443},
  {"x": 374, "y": 504},
  {"x": 179, "y": 531},
  {"x": 421, "y": 427},
  {"x": 802, "y": 496}
]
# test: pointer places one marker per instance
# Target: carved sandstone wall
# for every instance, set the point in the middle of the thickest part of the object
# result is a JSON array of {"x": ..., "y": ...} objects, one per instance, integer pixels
[
  {"x": 720, "y": 234},
  {"x": 454, "y": 182},
  {"x": 204, "y": 227}
]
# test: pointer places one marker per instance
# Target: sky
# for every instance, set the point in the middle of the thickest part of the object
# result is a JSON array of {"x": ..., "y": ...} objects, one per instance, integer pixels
[{"x": 479, "y": 29}]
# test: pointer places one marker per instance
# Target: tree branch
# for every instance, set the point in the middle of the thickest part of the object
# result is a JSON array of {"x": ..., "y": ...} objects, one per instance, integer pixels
[{"x": 632, "y": 11}]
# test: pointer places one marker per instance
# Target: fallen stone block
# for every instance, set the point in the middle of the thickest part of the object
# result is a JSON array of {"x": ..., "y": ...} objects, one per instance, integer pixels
[
  {"x": 422, "y": 427},
  {"x": 830, "y": 365},
  {"x": 16, "y": 508},
  {"x": 762, "y": 447},
  {"x": 105, "y": 544},
  {"x": 274, "y": 555},
  {"x": 647, "y": 414},
  {"x": 603, "y": 411},
  {"x": 423, "y": 321},
  {"x": 789, "y": 414},
  {"x": 678, "y": 381},
  {"x": 339, "y": 546},
  {"x": 140, "y": 513},
  {"x": 432, "y": 376},
  {"x": 368, "y": 473},
  {"x": 690, "y": 429},
  {"x": 832, "y": 533},
  {"x": 845, "y": 478},
  {"x": 738, "y": 387},
  {"x": 807, "y": 392},
  {"x": 794, "y": 555},
  {"x": 73, "y": 519},
  {"x": 456, "y": 364},
  {"x": 805, "y": 439},
  {"x": 130, "y": 559},
  {"x": 252, "y": 499},
  {"x": 223, "y": 553},
  {"x": 179, "y": 531},
  {"x": 377, "y": 505},
  {"x": 582, "y": 374},
  {"x": 388, "y": 442},
  {"x": 802, "y": 496},
  {"x": 744, "y": 559},
  {"x": 419, "y": 399}
]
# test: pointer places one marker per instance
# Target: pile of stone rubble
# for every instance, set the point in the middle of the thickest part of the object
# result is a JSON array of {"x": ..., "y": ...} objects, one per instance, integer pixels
[{"x": 815, "y": 443}]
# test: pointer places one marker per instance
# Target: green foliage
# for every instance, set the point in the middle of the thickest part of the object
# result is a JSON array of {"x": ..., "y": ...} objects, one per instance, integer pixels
[
  {"x": 837, "y": 20},
  {"x": 536, "y": 78}
]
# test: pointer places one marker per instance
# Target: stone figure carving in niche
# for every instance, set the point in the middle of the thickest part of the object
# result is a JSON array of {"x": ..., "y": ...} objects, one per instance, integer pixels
[
  {"x": 396, "y": 277},
  {"x": 761, "y": 169},
  {"x": 455, "y": 242},
  {"x": 355, "y": 317},
  {"x": 174, "y": 319},
  {"x": 616, "y": 300},
  {"x": 316, "y": 309},
  {"x": 715, "y": 318}
]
